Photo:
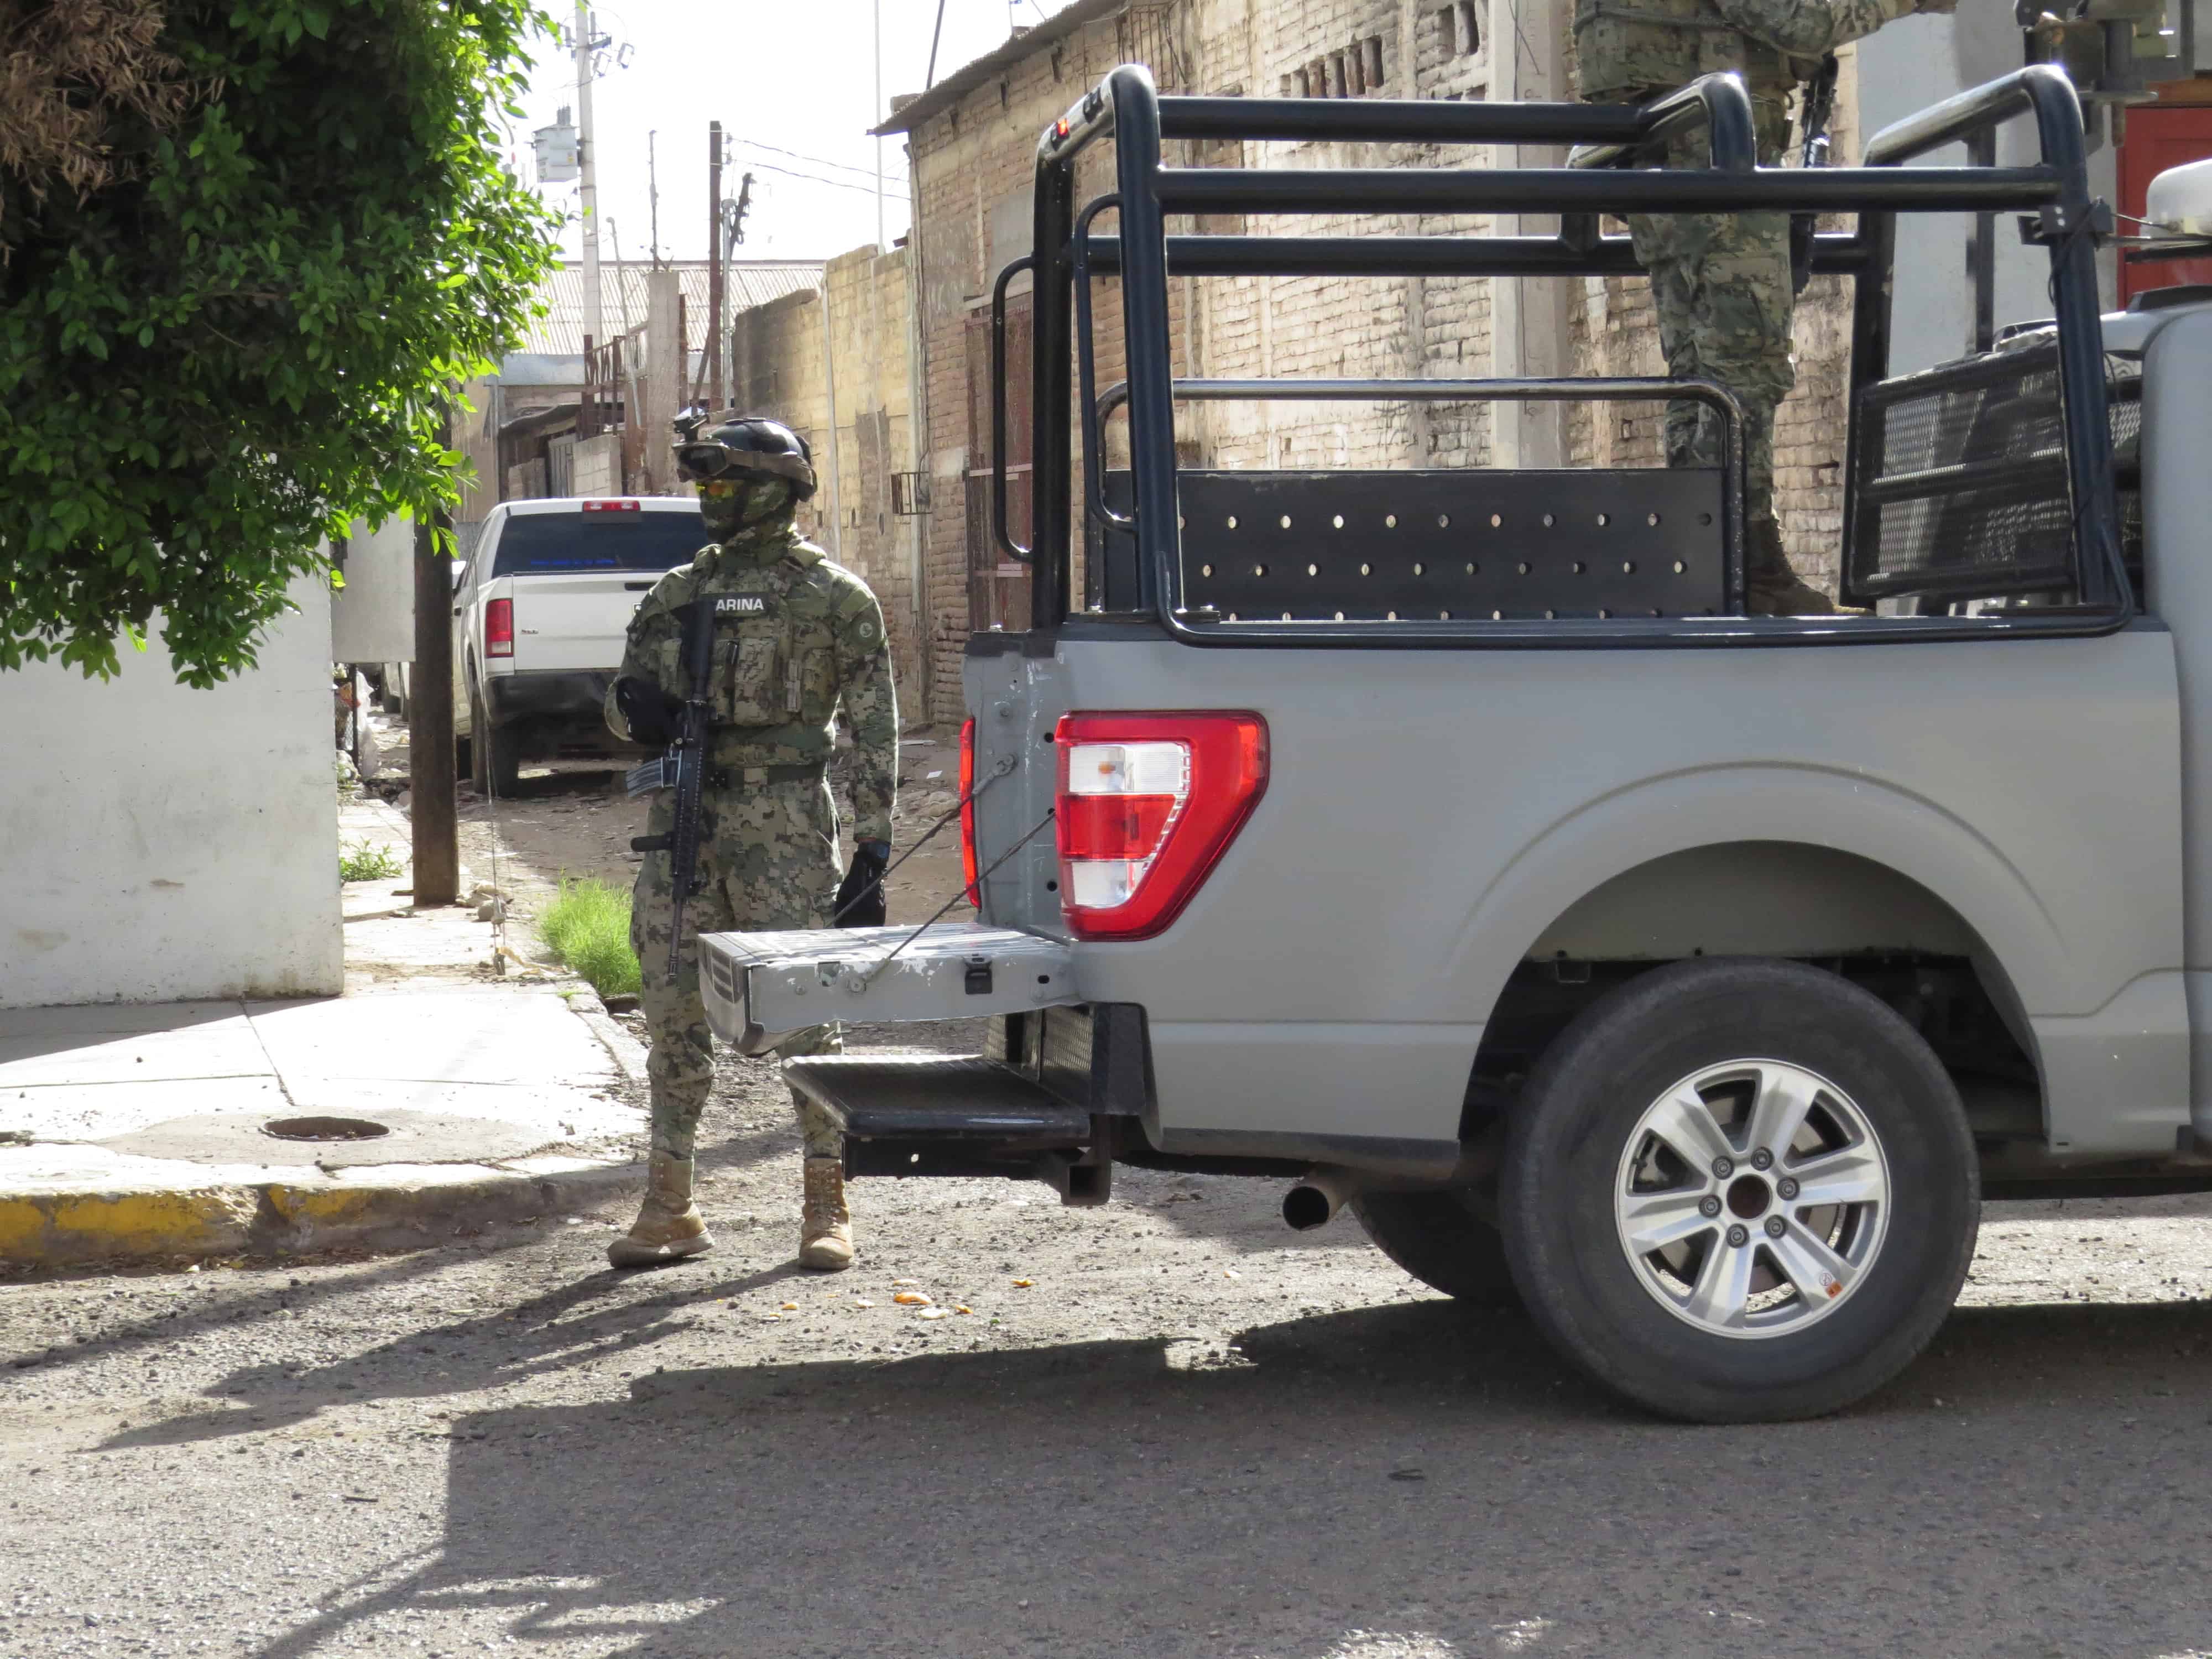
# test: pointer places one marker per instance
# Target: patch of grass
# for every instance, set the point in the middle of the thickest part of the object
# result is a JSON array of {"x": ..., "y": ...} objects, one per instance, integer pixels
[
  {"x": 362, "y": 862},
  {"x": 588, "y": 928}
]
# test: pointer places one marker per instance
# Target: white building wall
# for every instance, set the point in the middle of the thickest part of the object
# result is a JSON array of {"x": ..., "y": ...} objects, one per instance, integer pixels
[
  {"x": 159, "y": 843},
  {"x": 1909, "y": 65}
]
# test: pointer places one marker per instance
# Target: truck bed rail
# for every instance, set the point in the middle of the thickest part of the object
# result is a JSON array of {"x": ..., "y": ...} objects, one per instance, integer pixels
[{"x": 2053, "y": 192}]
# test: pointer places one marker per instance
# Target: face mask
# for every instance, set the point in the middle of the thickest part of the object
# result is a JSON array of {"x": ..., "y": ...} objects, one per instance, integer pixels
[{"x": 732, "y": 505}]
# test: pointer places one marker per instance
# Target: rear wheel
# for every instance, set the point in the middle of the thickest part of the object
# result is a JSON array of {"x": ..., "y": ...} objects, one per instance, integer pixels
[
  {"x": 1739, "y": 1191},
  {"x": 495, "y": 757},
  {"x": 1439, "y": 1238}
]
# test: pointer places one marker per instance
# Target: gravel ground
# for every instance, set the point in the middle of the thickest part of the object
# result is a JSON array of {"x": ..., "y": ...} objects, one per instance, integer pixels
[{"x": 1191, "y": 1432}]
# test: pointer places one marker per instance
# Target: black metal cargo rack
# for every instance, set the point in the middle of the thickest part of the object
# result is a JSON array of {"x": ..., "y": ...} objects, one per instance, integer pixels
[{"x": 1610, "y": 172}]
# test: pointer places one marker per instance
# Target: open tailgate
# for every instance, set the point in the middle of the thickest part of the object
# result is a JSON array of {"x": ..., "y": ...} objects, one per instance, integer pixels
[{"x": 760, "y": 988}]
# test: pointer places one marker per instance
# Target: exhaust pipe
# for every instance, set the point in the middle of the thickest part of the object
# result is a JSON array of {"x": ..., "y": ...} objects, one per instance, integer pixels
[
  {"x": 1315, "y": 1201},
  {"x": 1328, "y": 1188}
]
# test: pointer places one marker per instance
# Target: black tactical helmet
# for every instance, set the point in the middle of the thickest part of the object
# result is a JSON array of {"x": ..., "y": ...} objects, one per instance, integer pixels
[{"x": 755, "y": 445}]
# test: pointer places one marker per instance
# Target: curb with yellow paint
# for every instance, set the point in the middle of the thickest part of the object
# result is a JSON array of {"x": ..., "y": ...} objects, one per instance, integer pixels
[{"x": 287, "y": 1217}]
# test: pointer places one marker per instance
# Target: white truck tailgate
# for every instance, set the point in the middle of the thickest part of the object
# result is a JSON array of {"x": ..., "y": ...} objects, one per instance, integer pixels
[
  {"x": 573, "y": 621},
  {"x": 761, "y": 987}
]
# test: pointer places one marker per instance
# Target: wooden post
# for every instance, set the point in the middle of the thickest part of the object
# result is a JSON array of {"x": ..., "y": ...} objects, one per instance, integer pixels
[{"x": 430, "y": 716}]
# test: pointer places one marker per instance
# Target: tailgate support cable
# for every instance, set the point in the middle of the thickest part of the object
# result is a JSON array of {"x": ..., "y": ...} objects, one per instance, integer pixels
[
  {"x": 1005, "y": 765},
  {"x": 960, "y": 896}
]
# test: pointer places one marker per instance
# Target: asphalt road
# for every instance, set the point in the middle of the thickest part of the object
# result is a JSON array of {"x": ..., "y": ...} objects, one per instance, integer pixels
[{"x": 1194, "y": 1433}]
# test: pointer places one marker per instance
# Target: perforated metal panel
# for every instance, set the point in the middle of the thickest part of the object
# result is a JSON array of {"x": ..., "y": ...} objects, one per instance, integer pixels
[{"x": 1475, "y": 544}]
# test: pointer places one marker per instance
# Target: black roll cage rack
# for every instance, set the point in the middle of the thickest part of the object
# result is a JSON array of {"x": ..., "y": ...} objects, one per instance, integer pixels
[{"x": 1609, "y": 172}]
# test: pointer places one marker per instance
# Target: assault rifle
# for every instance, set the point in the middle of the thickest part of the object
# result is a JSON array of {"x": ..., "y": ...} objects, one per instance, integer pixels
[
  {"x": 1812, "y": 117},
  {"x": 684, "y": 768}
]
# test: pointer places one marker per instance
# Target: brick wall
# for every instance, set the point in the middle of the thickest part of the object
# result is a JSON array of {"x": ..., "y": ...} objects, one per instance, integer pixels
[
  {"x": 777, "y": 368},
  {"x": 972, "y": 166}
]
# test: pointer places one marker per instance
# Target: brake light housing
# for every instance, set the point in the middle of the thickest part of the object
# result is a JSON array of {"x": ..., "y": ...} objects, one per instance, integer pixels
[
  {"x": 1147, "y": 803},
  {"x": 968, "y": 812},
  {"x": 499, "y": 628},
  {"x": 625, "y": 506}
]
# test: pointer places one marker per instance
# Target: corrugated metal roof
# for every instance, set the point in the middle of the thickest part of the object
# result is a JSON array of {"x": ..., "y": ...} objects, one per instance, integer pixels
[
  {"x": 959, "y": 84},
  {"x": 560, "y": 332}
]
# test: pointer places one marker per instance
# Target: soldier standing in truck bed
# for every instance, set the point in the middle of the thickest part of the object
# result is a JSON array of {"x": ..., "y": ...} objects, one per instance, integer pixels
[
  {"x": 1722, "y": 281},
  {"x": 805, "y": 638}
]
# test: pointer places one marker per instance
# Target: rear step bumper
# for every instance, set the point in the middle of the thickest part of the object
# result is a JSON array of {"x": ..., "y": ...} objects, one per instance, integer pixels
[{"x": 954, "y": 1115}]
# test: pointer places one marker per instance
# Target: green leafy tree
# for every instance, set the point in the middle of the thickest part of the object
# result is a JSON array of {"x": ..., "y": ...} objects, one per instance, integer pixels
[{"x": 242, "y": 263}]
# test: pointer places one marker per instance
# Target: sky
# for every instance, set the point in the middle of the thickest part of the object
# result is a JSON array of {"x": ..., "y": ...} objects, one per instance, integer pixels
[{"x": 796, "y": 75}]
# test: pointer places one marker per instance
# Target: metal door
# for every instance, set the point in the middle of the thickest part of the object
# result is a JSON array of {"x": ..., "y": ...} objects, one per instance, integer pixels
[{"x": 997, "y": 586}]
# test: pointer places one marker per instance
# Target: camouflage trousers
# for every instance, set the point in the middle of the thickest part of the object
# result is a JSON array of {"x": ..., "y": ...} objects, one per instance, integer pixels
[
  {"x": 1720, "y": 284},
  {"x": 768, "y": 859}
]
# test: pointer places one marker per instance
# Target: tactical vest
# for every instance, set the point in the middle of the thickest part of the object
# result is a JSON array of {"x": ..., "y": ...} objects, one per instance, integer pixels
[
  {"x": 1626, "y": 49},
  {"x": 776, "y": 657}
]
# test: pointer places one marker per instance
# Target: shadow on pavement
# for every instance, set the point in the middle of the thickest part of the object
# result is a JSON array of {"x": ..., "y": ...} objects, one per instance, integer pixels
[
  {"x": 1410, "y": 1469},
  {"x": 600, "y": 1316}
]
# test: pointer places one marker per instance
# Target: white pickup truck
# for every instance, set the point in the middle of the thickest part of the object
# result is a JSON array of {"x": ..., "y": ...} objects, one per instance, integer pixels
[{"x": 539, "y": 612}]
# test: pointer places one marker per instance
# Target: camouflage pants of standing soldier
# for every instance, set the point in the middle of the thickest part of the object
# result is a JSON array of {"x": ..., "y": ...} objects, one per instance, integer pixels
[
  {"x": 768, "y": 859},
  {"x": 1720, "y": 284}
]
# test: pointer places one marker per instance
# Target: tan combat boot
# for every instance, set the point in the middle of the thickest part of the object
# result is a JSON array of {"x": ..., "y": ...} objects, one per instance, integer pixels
[
  {"x": 825, "y": 1226},
  {"x": 669, "y": 1226},
  {"x": 1771, "y": 586}
]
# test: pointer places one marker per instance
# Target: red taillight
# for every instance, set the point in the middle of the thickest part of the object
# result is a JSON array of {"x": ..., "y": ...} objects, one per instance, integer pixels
[
  {"x": 613, "y": 506},
  {"x": 968, "y": 812},
  {"x": 1147, "y": 804},
  {"x": 499, "y": 628}
]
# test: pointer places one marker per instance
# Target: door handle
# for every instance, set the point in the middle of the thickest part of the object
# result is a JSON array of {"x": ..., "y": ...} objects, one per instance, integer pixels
[{"x": 457, "y": 610}]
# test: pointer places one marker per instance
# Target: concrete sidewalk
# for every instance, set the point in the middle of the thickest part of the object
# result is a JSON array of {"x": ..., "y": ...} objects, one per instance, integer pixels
[
  {"x": 197, "y": 1129},
  {"x": 437, "y": 1095}
]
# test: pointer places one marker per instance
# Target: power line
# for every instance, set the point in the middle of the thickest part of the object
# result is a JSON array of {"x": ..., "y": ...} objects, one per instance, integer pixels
[
  {"x": 819, "y": 160},
  {"x": 817, "y": 179}
]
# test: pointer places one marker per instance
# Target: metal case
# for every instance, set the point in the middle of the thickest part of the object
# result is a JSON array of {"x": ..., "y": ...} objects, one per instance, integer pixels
[{"x": 760, "y": 988}]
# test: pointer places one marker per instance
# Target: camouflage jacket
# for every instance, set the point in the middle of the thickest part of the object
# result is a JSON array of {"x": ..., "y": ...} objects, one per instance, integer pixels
[
  {"x": 1628, "y": 49},
  {"x": 800, "y": 637}
]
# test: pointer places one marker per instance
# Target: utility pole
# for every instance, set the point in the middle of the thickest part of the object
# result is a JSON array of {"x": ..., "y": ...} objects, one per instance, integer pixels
[
  {"x": 588, "y": 161},
  {"x": 876, "y": 119},
  {"x": 715, "y": 264},
  {"x": 430, "y": 714}
]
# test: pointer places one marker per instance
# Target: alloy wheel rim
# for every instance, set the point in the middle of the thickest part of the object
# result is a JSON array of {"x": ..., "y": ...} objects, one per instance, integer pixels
[{"x": 1752, "y": 1198}]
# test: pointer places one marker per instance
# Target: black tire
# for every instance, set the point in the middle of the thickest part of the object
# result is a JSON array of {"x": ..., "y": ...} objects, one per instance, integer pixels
[
  {"x": 1438, "y": 1238},
  {"x": 503, "y": 758},
  {"x": 478, "y": 744},
  {"x": 1568, "y": 1155},
  {"x": 494, "y": 757}
]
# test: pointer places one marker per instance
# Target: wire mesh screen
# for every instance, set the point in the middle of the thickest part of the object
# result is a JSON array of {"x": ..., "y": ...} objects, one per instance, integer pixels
[{"x": 1962, "y": 479}]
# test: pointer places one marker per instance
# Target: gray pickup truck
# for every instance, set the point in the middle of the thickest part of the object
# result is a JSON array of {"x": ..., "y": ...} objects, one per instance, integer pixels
[{"x": 1452, "y": 845}]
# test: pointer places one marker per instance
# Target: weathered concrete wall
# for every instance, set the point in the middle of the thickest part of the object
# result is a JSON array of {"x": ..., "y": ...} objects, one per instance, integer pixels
[{"x": 159, "y": 843}]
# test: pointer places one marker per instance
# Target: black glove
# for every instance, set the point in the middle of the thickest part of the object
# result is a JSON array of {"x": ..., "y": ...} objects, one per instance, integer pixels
[
  {"x": 861, "y": 898},
  {"x": 650, "y": 712}
]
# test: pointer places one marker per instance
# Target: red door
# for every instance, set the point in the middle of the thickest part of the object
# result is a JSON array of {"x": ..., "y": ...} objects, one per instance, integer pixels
[{"x": 2160, "y": 136}]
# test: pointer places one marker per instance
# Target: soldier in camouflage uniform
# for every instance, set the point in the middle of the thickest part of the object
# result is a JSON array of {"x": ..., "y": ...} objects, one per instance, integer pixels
[
  {"x": 807, "y": 637},
  {"x": 1722, "y": 281}
]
